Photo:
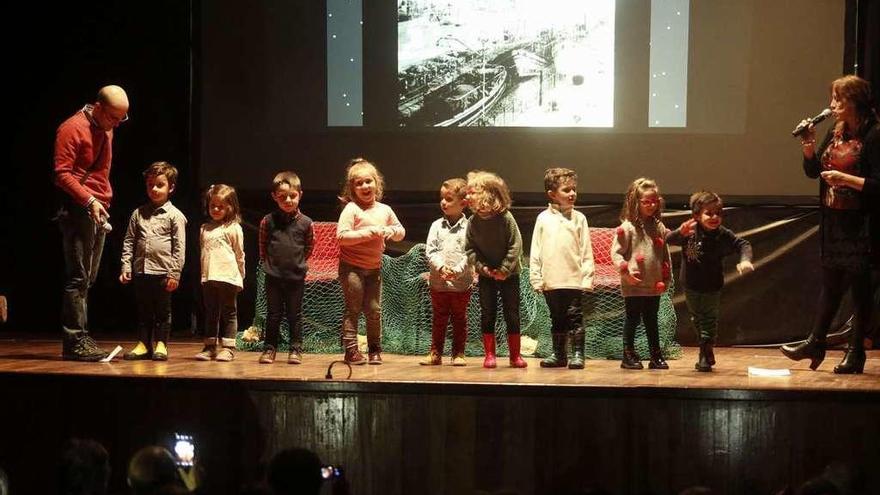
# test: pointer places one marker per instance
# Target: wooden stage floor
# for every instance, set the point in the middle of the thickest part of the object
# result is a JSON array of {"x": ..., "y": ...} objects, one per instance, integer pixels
[{"x": 731, "y": 373}]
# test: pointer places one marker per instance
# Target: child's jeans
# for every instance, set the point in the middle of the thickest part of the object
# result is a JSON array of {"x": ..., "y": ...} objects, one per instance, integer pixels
[
  {"x": 704, "y": 308},
  {"x": 284, "y": 297},
  {"x": 221, "y": 320},
  {"x": 153, "y": 308},
  {"x": 362, "y": 288},
  {"x": 566, "y": 310}
]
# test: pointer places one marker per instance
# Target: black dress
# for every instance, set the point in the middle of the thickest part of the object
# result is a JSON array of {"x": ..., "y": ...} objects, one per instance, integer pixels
[{"x": 850, "y": 225}]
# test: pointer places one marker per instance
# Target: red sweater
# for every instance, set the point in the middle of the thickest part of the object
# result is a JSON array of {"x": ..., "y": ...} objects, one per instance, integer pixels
[{"x": 77, "y": 143}]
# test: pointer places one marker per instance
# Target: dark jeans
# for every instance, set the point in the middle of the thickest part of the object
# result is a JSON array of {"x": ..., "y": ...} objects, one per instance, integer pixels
[
  {"x": 153, "y": 307},
  {"x": 362, "y": 288},
  {"x": 221, "y": 320},
  {"x": 284, "y": 297},
  {"x": 566, "y": 310},
  {"x": 704, "y": 308},
  {"x": 509, "y": 289},
  {"x": 82, "y": 243},
  {"x": 835, "y": 282},
  {"x": 644, "y": 309},
  {"x": 449, "y": 305}
]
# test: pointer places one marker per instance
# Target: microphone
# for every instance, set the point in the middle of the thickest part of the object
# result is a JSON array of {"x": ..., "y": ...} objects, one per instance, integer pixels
[{"x": 815, "y": 120}]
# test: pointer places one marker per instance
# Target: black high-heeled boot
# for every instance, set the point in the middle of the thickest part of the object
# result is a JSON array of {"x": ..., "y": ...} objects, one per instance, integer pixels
[
  {"x": 631, "y": 360},
  {"x": 812, "y": 348},
  {"x": 853, "y": 362}
]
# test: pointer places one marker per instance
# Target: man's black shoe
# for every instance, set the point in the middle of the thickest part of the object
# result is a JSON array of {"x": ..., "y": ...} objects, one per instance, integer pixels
[{"x": 82, "y": 348}]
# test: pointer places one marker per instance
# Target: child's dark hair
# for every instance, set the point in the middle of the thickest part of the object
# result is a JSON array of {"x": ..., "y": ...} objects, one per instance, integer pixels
[
  {"x": 355, "y": 167},
  {"x": 286, "y": 177},
  {"x": 457, "y": 187},
  {"x": 555, "y": 177},
  {"x": 704, "y": 199},
  {"x": 228, "y": 195},
  {"x": 162, "y": 168},
  {"x": 634, "y": 193}
]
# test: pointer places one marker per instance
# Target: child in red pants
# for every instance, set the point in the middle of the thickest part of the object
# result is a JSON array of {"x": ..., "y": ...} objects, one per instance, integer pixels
[{"x": 451, "y": 275}]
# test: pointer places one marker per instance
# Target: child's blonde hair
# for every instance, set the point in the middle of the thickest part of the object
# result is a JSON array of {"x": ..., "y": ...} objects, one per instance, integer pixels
[
  {"x": 359, "y": 166},
  {"x": 487, "y": 192},
  {"x": 226, "y": 194},
  {"x": 456, "y": 186},
  {"x": 636, "y": 191}
]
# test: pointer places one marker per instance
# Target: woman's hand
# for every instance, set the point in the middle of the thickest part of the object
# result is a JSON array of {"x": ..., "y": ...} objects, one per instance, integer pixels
[
  {"x": 842, "y": 179},
  {"x": 808, "y": 139}
]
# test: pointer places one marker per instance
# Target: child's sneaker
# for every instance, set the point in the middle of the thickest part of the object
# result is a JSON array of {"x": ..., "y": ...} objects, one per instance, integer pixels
[
  {"x": 354, "y": 356},
  {"x": 268, "y": 356},
  {"x": 207, "y": 354},
  {"x": 161, "y": 352},
  {"x": 225, "y": 355},
  {"x": 432, "y": 359},
  {"x": 294, "y": 357},
  {"x": 458, "y": 360}
]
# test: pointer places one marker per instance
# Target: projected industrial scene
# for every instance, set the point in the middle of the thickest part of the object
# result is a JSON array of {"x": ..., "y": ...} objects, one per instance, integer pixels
[{"x": 505, "y": 63}]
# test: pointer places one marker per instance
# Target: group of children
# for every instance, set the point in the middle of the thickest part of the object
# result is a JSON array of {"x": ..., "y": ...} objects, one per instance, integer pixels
[{"x": 487, "y": 244}]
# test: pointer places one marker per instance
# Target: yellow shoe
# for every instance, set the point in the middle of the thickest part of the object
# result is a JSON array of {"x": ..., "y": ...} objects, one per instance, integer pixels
[
  {"x": 161, "y": 352},
  {"x": 432, "y": 359},
  {"x": 139, "y": 352},
  {"x": 459, "y": 360}
]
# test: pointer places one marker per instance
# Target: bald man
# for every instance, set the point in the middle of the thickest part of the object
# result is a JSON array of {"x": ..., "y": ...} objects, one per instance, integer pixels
[{"x": 83, "y": 154}]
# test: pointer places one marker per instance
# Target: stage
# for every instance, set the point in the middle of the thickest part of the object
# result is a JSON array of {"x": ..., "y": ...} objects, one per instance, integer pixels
[
  {"x": 397, "y": 372},
  {"x": 403, "y": 428}
]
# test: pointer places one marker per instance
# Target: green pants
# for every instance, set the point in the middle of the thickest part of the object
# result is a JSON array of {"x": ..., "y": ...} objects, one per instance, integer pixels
[{"x": 704, "y": 308}]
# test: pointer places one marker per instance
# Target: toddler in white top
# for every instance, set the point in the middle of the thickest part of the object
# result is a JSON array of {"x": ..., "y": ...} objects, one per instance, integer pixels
[
  {"x": 222, "y": 252},
  {"x": 561, "y": 266}
]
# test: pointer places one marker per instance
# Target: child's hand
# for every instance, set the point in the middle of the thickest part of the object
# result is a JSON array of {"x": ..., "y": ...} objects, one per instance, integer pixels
[
  {"x": 171, "y": 284},
  {"x": 499, "y": 275},
  {"x": 629, "y": 278},
  {"x": 378, "y": 232},
  {"x": 388, "y": 232},
  {"x": 687, "y": 227},
  {"x": 745, "y": 267},
  {"x": 124, "y": 277},
  {"x": 446, "y": 273}
]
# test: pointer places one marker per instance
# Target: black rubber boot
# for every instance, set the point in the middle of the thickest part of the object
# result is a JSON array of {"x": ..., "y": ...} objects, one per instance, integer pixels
[
  {"x": 558, "y": 359},
  {"x": 577, "y": 350}
]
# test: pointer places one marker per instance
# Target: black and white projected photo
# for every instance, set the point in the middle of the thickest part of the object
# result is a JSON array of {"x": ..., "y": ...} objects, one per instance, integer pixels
[{"x": 505, "y": 63}]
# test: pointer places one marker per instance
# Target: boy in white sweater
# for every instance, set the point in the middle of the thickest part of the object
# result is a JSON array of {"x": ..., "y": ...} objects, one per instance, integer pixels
[{"x": 561, "y": 266}]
